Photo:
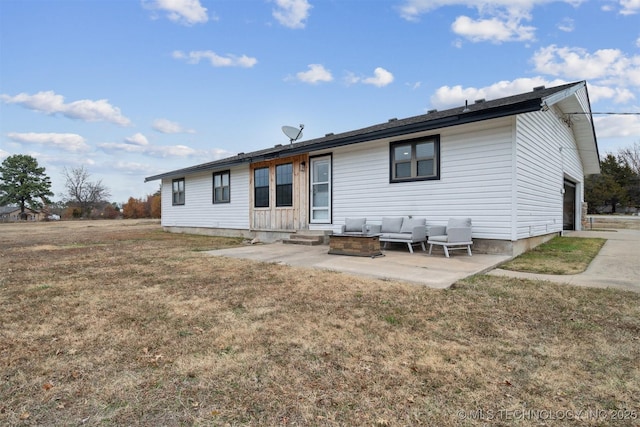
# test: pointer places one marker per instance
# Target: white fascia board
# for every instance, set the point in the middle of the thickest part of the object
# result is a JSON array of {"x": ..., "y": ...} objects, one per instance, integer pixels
[{"x": 550, "y": 100}]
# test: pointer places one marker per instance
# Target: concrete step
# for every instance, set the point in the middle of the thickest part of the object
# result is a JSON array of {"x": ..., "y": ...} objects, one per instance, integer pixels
[{"x": 304, "y": 239}]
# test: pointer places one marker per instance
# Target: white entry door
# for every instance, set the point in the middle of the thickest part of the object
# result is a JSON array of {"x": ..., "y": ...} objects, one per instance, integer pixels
[{"x": 320, "y": 190}]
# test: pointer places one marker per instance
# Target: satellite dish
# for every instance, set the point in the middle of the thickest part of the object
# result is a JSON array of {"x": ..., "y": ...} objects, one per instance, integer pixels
[{"x": 292, "y": 133}]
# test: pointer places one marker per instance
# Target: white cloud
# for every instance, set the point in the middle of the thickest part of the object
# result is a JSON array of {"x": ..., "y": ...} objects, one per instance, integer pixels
[
  {"x": 350, "y": 78},
  {"x": 412, "y": 9},
  {"x": 630, "y": 7},
  {"x": 617, "y": 94},
  {"x": 187, "y": 12},
  {"x": 614, "y": 126},
  {"x": 452, "y": 96},
  {"x": 292, "y": 13},
  {"x": 51, "y": 103},
  {"x": 167, "y": 126},
  {"x": 498, "y": 20},
  {"x": 172, "y": 151},
  {"x": 194, "y": 57},
  {"x": 137, "y": 139},
  {"x": 494, "y": 30},
  {"x": 316, "y": 74},
  {"x": 132, "y": 167},
  {"x": 3, "y": 154},
  {"x": 567, "y": 25},
  {"x": 381, "y": 78},
  {"x": 638, "y": 42},
  {"x": 66, "y": 141},
  {"x": 612, "y": 66},
  {"x": 121, "y": 146},
  {"x": 160, "y": 151}
]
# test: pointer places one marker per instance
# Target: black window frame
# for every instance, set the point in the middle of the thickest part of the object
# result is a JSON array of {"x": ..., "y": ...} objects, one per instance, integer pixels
[
  {"x": 259, "y": 195},
  {"x": 222, "y": 174},
  {"x": 414, "y": 160},
  {"x": 284, "y": 190},
  {"x": 178, "y": 192}
]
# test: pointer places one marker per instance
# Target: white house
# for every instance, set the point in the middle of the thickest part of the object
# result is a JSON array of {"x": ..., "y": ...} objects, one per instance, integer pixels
[{"x": 514, "y": 165}]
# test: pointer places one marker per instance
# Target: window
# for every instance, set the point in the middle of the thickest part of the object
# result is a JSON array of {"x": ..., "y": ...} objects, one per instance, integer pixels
[
  {"x": 221, "y": 187},
  {"x": 178, "y": 191},
  {"x": 416, "y": 159},
  {"x": 261, "y": 187},
  {"x": 284, "y": 185}
]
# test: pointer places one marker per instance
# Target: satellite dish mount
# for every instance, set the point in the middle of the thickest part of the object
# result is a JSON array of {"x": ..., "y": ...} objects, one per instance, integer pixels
[{"x": 292, "y": 133}]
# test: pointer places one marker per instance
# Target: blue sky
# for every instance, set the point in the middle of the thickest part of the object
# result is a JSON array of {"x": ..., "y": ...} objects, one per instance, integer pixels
[{"x": 132, "y": 88}]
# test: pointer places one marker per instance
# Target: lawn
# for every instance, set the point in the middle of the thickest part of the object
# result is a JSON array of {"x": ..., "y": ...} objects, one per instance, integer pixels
[
  {"x": 118, "y": 323},
  {"x": 560, "y": 255}
]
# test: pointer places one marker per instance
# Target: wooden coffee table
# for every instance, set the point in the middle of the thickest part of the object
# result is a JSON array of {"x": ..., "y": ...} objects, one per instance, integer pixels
[{"x": 355, "y": 244}]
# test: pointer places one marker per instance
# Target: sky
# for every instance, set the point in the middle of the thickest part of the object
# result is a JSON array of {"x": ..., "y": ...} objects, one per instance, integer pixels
[{"x": 133, "y": 88}]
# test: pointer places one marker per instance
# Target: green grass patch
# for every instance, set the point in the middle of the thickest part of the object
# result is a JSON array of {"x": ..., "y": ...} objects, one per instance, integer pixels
[{"x": 560, "y": 255}]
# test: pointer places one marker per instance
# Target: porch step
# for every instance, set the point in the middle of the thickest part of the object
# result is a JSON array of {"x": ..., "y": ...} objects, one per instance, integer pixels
[{"x": 306, "y": 239}]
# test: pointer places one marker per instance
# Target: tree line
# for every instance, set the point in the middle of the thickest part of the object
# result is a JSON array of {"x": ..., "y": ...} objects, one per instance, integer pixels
[
  {"x": 617, "y": 188},
  {"x": 25, "y": 184}
]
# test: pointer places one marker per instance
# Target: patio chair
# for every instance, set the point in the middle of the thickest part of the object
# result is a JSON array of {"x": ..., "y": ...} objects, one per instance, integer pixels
[
  {"x": 457, "y": 236},
  {"x": 353, "y": 225}
]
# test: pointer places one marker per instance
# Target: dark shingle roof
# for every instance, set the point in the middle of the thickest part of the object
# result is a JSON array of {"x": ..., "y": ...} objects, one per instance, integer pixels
[{"x": 477, "y": 111}]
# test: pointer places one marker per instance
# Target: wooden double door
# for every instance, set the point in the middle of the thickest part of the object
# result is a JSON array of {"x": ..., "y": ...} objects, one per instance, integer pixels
[{"x": 279, "y": 191}]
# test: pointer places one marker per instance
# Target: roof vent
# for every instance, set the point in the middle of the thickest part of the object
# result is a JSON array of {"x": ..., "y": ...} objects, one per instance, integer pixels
[
  {"x": 241, "y": 153},
  {"x": 432, "y": 111},
  {"x": 480, "y": 101},
  {"x": 328, "y": 134},
  {"x": 393, "y": 119},
  {"x": 537, "y": 88},
  {"x": 278, "y": 145}
]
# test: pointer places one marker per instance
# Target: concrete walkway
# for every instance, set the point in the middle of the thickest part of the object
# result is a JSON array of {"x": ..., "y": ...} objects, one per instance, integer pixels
[
  {"x": 616, "y": 266},
  {"x": 434, "y": 271}
]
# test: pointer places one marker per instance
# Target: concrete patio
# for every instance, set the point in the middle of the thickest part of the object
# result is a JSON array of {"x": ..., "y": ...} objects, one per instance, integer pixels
[
  {"x": 434, "y": 271},
  {"x": 617, "y": 265}
]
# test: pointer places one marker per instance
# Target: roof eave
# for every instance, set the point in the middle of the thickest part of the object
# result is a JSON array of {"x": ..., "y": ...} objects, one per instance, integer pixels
[
  {"x": 334, "y": 141},
  {"x": 556, "y": 97}
]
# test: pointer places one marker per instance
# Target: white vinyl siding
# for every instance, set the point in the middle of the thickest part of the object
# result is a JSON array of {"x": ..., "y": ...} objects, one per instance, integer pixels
[
  {"x": 506, "y": 174},
  {"x": 546, "y": 155},
  {"x": 199, "y": 211},
  {"x": 475, "y": 181}
]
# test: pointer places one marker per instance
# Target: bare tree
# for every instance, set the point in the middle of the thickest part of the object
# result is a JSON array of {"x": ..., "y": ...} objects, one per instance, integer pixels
[
  {"x": 631, "y": 156},
  {"x": 82, "y": 192}
]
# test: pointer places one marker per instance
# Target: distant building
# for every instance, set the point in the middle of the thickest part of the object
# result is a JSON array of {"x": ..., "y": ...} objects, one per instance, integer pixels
[{"x": 13, "y": 213}]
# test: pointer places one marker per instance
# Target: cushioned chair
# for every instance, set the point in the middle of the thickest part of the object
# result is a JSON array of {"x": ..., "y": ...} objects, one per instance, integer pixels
[
  {"x": 354, "y": 225},
  {"x": 457, "y": 236}
]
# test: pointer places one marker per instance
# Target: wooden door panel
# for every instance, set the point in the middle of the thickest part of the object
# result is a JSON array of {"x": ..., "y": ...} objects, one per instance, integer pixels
[{"x": 282, "y": 218}]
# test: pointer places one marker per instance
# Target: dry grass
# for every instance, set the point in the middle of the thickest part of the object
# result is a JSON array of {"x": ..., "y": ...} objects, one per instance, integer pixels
[
  {"x": 612, "y": 222},
  {"x": 118, "y": 323}
]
